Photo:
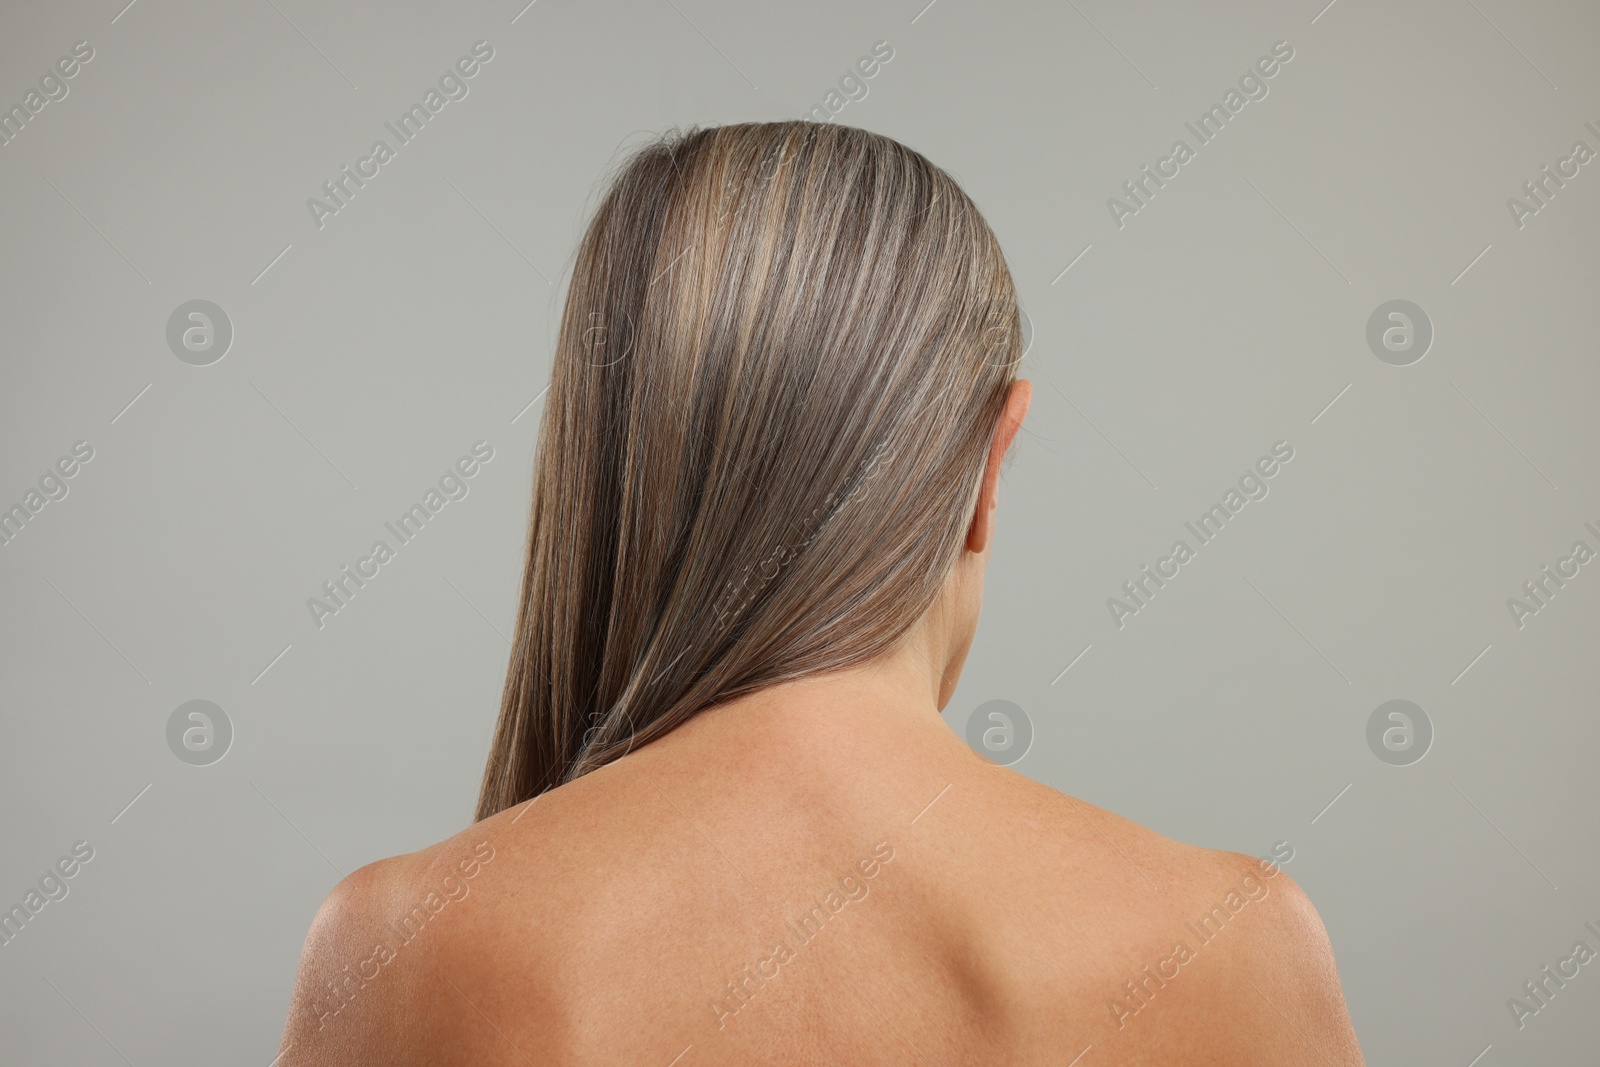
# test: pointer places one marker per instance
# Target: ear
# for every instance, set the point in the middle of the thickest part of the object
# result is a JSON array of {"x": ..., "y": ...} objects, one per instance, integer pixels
[{"x": 1018, "y": 397}]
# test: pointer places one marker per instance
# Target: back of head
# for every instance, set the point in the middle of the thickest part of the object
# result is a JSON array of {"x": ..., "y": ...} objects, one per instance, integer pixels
[{"x": 783, "y": 353}]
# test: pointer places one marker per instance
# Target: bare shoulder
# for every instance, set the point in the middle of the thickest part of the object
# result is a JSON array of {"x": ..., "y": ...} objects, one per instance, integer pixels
[
  {"x": 1209, "y": 955},
  {"x": 378, "y": 958},
  {"x": 1277, "y": 976},
  {"x": 452, "y": 953}
]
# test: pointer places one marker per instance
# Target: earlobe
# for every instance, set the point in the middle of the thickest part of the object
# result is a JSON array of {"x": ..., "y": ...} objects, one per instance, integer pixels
[{"x": 978, "y": 528}]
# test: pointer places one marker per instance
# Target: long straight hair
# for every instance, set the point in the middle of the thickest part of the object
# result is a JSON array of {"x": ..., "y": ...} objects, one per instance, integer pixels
[{"x": 783, "y": 354}]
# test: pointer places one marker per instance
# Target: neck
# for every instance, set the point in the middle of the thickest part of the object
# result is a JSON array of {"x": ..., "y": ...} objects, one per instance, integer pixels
[{"x": 890, "y": 703}]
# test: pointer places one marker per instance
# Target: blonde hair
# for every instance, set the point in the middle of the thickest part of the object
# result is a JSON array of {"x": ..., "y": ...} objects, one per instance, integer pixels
[{"x": 784, "y": 351}]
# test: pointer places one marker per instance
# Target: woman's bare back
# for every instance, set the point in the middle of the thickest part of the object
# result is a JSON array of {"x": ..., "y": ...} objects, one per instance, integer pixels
[
  {"x": 795, "y": 467},
  {"x": 815, "y": 876}
]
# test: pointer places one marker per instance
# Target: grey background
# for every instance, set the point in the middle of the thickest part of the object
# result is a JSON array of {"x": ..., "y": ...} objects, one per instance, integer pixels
[{"x": 370, "y": 354}]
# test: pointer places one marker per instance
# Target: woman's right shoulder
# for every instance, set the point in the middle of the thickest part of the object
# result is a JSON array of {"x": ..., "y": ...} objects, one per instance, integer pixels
[{"x": 386, "y": 945}]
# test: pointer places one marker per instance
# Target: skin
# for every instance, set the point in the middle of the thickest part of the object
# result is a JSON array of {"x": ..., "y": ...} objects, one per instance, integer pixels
[{"x": 603, "y": 921}]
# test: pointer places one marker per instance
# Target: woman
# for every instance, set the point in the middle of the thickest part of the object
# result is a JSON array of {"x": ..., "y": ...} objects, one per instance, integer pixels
[{"x": 722, "y": 820}]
